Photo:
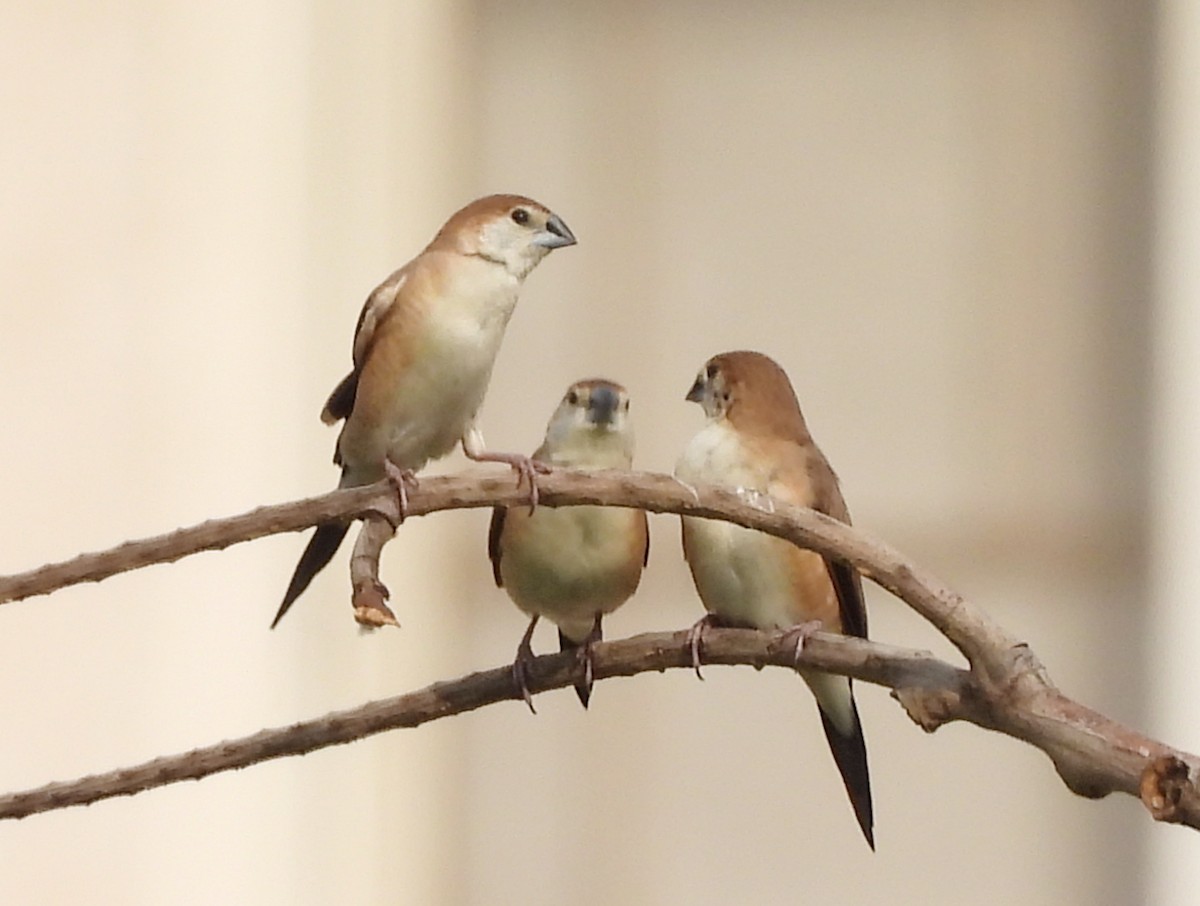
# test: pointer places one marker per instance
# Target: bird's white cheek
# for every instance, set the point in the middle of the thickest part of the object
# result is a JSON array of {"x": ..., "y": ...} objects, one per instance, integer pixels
[
  {"x": 515, "y": 250},
  {"x": 526, "y": 259}
]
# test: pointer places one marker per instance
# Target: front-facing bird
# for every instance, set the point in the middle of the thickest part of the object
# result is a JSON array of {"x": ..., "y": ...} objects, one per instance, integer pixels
[
  {"x": 573, "y": 565},
  {"x": 423, "y": 353},
  {"x": 755, "y": 441}
]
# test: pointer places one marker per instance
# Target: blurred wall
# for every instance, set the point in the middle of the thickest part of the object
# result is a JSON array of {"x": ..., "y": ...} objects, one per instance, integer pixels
[
  {"x": 935, "y": 215},
  {"x": 1173, "y": 637}
]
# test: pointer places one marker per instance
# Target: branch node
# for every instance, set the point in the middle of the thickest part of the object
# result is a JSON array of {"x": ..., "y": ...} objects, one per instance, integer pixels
[
  {"x": 368, "y": 594},
  {"x": 1024, "y": 673},
  {"x": 370, "y": 606},
  {"x": 1164, "y": 784},
  {"x": 929, "y": 709}
]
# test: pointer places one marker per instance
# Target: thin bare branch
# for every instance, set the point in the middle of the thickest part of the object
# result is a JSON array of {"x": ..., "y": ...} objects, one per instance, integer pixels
[
  {"x": 869, "y": 661},
  {"x": 972, "y": 632},
  {"x": 1006, "y": 689}
]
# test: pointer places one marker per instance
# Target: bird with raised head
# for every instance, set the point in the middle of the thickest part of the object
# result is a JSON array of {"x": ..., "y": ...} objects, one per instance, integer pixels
[{"x": 423, "y": 352}]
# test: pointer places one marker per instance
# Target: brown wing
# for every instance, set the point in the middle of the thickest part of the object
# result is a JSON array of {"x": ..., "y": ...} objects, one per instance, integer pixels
[
  {"x": 341, "y": 402},
  {"x": 847, "y": 583},
  {"x": 495, "y": 529},
  {"x": 375, "y": 310},
  {"x": 805, "y": 478}
]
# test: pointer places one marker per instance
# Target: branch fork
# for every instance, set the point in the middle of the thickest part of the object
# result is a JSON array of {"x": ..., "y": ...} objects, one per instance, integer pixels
[{"x": 1006, "y": 688}]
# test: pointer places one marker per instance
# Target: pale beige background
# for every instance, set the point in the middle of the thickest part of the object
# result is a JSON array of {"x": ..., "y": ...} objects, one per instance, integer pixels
[{"x": 936, "y": 215}]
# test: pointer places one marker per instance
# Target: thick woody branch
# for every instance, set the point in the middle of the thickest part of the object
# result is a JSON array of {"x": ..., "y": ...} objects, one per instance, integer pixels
[{"x": 1006, "y": 688}]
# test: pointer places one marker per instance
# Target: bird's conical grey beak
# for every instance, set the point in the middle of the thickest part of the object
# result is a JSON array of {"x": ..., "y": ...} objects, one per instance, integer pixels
[
  {"x": 602, "y": 405},
  {"x": 556, "y": 234},
  {"x": 696, "y": 394}
]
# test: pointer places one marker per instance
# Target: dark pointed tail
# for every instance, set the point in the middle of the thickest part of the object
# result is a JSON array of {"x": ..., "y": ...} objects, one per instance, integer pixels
[
  {"x": 582, "y": 688},
  {"x": 850, "y": 753},
  {"x": 321, "y": 548}
]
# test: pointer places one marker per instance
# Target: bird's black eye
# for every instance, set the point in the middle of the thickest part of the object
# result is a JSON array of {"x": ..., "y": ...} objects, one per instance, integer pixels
[
  {"x": 572, "y": 398},
  {"x": 711, "y": 371},
  {"x": 520, "y": 216},
  {"x": 626, "y": 406}
]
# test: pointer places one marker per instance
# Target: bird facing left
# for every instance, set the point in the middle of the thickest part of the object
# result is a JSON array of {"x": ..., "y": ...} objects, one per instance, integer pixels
[
  {"x": 423, "y": 352},
  {"x": 755, "y": 440}
]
